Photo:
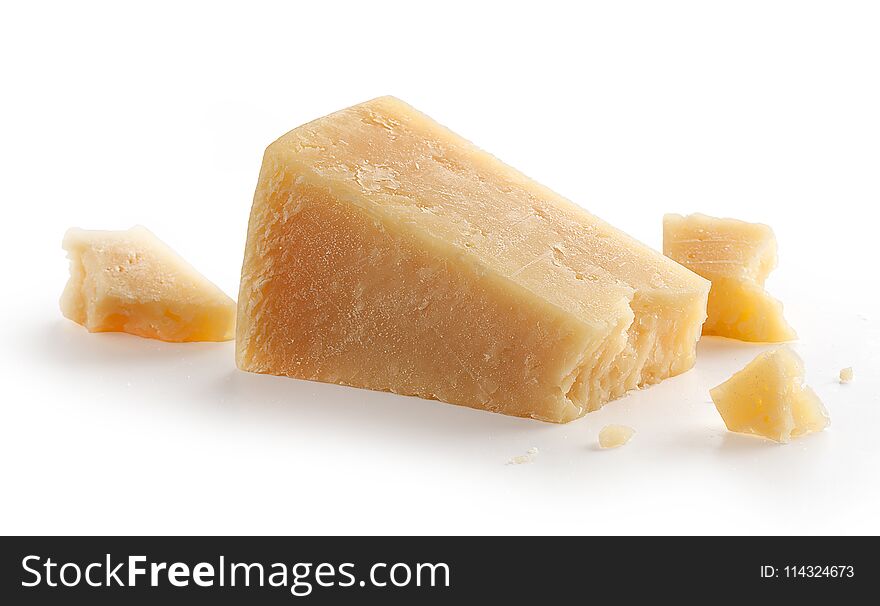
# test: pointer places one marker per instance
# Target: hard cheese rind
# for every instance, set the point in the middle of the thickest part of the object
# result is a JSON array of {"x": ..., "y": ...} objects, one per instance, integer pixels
[
  {"x": 768, "y": 398},
  {"x": 737, "y": 257},
  {"x": 130, "y": 281},
  {"x": 386, "y": 252}
]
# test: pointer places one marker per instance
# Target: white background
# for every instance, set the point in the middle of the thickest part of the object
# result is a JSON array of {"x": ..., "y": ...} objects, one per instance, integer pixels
[{"x": 158, "y": 113}]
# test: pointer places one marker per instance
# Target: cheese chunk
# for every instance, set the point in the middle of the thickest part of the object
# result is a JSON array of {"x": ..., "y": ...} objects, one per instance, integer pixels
[
  {"x": 613, "y": 436},
  {"x": 846, "y": 374},
  {"x": 388, "y": 253},
  {"x": 130, "y": 281},
  {"x": 737, "y": 257},
  {"x": 768, "y": 398}
]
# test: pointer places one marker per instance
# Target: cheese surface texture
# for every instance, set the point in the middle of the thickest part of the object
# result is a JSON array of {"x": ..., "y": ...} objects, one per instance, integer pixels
[
  {"x": 768, "y": 398},
  {"x": 737, "y": 257},
  {"x": 388, "y": 253},
  {"x": 130, "y": 281}
]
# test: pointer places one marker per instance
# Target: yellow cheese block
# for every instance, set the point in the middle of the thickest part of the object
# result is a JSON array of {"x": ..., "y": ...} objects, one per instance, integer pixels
[
  {"x": 388, "y": 253},
  {"x": 130, "y": 281},
  {"x": 768, "y": 398},
  {"x": 737, "y": 257}
]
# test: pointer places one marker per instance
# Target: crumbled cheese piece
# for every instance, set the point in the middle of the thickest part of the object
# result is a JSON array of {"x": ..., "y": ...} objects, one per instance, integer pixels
[
  {"x": 768, "y": 398},
  {"x": 737, "y": 257},
  {"x": 613, "y": 436},
  {"x": 846, "y": 374},
  {"x": 130, "y": 281},
  {"x": 525, "y": 458}
]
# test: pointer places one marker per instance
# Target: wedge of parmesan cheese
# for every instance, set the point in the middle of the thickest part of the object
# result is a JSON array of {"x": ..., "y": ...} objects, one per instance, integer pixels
[{"x": 386, "y": 252}]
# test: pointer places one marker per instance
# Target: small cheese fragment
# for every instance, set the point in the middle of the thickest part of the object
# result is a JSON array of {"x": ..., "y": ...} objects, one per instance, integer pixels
[
  {"x": 531, "y": 453},
  {"x": 386, "y": 252},
  {"x": 846, "y": 374},
  {"x": 130, "y": 281},
  {"x": 737, "y": 257},
  {"x": 768, "y": 398},
  {"x": 613, "y": 436}
]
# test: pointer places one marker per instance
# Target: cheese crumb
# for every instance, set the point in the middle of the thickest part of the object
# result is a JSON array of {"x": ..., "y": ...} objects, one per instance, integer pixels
[
  {"x": 846, "y": 374},
  {"x": 526, "y": 458},
  {"x": 613, "y": 436}
]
